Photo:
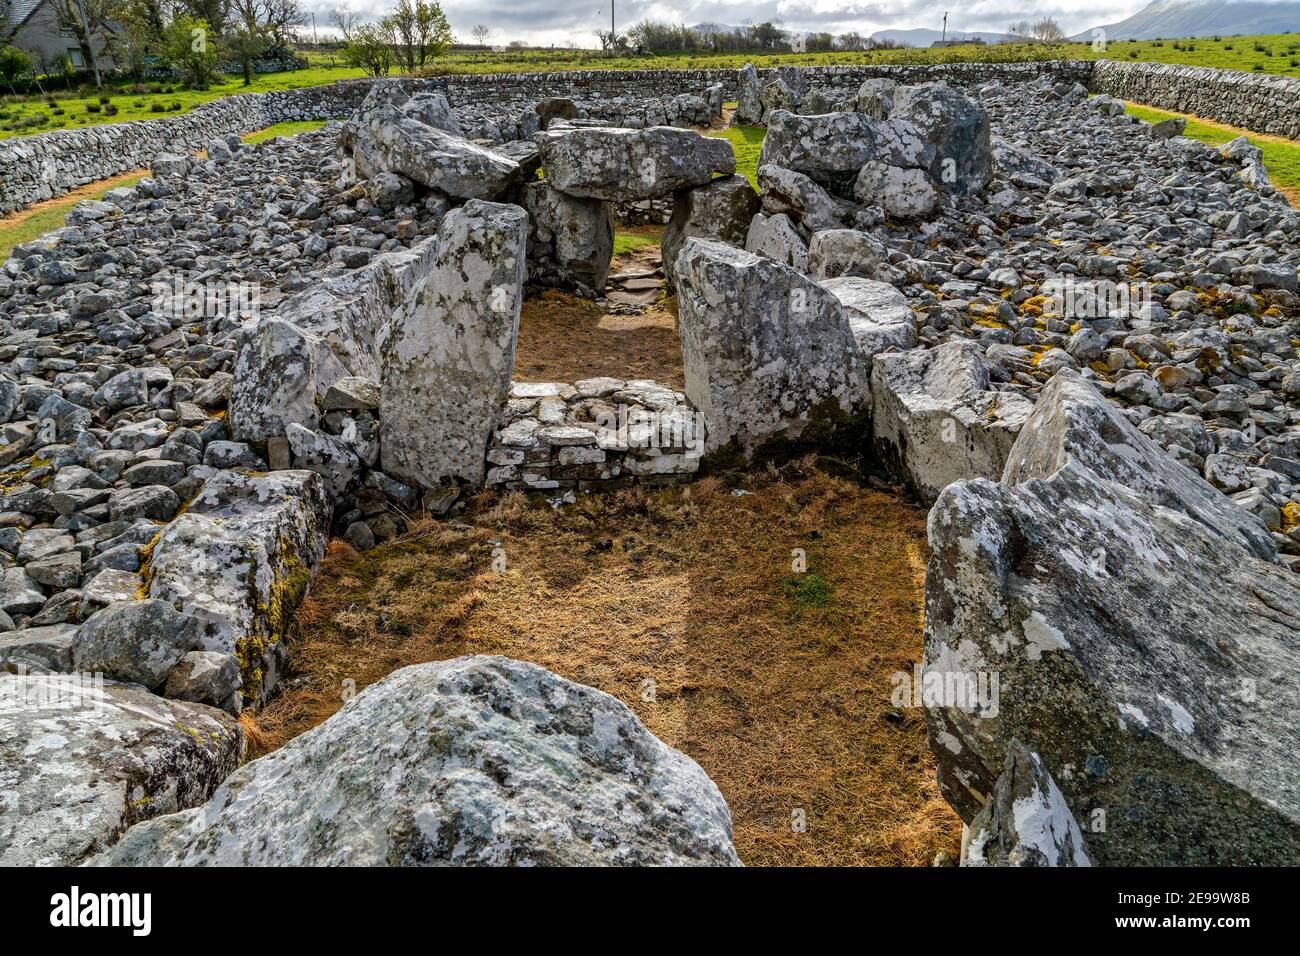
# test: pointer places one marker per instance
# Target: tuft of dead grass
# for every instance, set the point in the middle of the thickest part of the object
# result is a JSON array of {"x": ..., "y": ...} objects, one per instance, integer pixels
[{"x": 683, "y": 603}]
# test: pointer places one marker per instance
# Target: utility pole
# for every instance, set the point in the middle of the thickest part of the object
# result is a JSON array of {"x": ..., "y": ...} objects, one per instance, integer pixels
[
  {"x": 945, "y": 26},
  {"x": 611, "y": 26},
  {"x": 314, "y": 38}
]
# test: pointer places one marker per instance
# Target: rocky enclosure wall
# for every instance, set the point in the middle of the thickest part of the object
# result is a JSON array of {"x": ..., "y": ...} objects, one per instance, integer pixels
[
  {"x": 34, "y": 168},
  {"x": 1255, "y": 101}
]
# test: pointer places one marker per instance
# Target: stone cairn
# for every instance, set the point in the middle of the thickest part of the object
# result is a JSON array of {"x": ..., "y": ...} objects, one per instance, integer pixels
[{"x": 1072, "y": 333}]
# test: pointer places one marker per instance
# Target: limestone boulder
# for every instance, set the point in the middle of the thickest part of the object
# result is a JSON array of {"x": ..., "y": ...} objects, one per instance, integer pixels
[
  {"x": 936, "y": 419},
  {"x": 446, "y": 365},
  {"x": 834, "y": 253},
  {"x": 803, "y": 200},
  {"x": 475, "y": 761},
  {"x": 721, "y": 210},
  {"x": 1152, "y": 666},
  {"x": 239, "y": 560},
  {"x": 395, "y": 142},
  {"x": 80, "y": 762},
  {"x": 878, "y": 315},
  {"x": 766, "y": 350},
  {"x": 620, "y": 164},
  {"x": 1074, "y": 422},
  {"x": 578, "y": 233},
  {"x": 776, "y": 238},
  {"x": 957, "y": 127},
  {"x": 749, "y": 99}
]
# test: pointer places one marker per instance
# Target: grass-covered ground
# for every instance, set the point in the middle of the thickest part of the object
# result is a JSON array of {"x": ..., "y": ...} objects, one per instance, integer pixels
[
  {"x": 777, "y": 680},
  {"x": 72, "y": 109}
]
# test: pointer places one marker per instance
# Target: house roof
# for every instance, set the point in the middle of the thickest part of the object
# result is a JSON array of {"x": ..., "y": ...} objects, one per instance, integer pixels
[{"x": 19, "y": 11}]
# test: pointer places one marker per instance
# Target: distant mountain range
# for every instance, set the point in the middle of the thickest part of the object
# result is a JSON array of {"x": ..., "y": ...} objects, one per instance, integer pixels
[{"x": 1173, "y": 19}]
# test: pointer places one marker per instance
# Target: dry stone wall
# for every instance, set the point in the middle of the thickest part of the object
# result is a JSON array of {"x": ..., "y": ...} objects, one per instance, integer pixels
[{"x": 1253, "y": 101}]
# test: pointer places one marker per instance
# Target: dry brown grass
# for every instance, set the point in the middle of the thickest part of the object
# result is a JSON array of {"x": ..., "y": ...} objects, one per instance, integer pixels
[
  {"x": 563, "y": 338},
  {"x": 681, "y": 603}
]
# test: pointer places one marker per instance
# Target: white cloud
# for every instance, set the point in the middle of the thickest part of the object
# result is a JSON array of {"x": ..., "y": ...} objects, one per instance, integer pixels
[{"x": 558, "y": 22}]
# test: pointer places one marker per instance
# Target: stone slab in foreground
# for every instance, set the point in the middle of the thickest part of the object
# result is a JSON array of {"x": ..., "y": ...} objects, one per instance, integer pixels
[
  {"x": 476, "y": 761},
  {"x": 1153, "y": 665},
  {"x": 79, "y": 763}
]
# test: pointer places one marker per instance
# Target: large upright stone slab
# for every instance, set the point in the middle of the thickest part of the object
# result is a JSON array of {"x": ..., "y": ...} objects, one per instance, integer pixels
[
  {"x": 289, "y": 360},
  {"x": 625, "y": 164},
  {"x": 767, "y": 351},
  {"x": 240, "y": 560},
  {"x": 936, "y": 418},
  {"x": 577, "y": 234},
  {"x": 80, "y": 762},
  {"x": 720, "y": 209},
  {"x": 1072, "y": 421},
  {"x": 447, "y": 362},
  {"x": 1151, "y": 663},
  {"x": 476, "y": 761}
]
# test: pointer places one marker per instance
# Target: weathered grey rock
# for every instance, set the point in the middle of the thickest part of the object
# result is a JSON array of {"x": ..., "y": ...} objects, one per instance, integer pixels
[
  {"x": 958, "y": 129},
  {"x": 878, "y": 316},
  {"x": 468, "y": 762},
  {"x": 448, "y": 359},
  {"x": 579, "y": 233},
  {"x": 240, "y": 560},
  {"x": 135, "y": 641},
  {"x": 936, "y": 419},
  {"x": 394, "y": 142},
  {"x": 766, "y": 350},
  {"x": 1026, "y": 821},
  {"x": 776, "y": 238},
  {"x": 80, "y": 763},
  {"x": 326, "y": 456},
  {"x": 1073, "y": 422},
  {"x": 1148, "y": 661},
  {"x": 38, "y": 649},
  {"x": 833, "y": 253},
  {"x": 876, "y": 98},
  {"x": 626, "y": 164},
  {"x": 352, "y": 394},
  {"x": 204, "y": 677},
  {"x": 786, "y": 191},
  {"x": 749, "y": 101},
  {"x": 902, "y": 193},
  {"x": 721, "y": 210},
  {"x": 829, "y": 149}
]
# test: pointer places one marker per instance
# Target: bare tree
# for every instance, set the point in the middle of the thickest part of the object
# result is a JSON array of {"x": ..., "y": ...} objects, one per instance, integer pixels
[
  {"x": 87, "y": 21},
  {"x": 347, "y": 21},
  {"x": 481, "y": 34}
]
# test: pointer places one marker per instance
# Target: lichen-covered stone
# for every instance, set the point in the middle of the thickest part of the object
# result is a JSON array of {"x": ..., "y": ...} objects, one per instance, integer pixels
[
  {"x": 447, "y": 362},
  {"x": 80, "y": 762},
  {"x": 476, "y": 761},
  {"x": 626, "y": 164},
  {"x": 239, "y": 560}
]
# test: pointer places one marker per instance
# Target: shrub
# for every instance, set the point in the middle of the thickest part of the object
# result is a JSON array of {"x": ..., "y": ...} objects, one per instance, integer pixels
[
  {"x": 156, "y": 107},
  {"x": 93, "y": 107}
]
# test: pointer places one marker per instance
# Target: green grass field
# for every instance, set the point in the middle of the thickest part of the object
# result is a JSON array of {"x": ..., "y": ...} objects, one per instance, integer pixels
[
  {"x": 73, "y": 109},
  {"x": 747, "y": 141}
]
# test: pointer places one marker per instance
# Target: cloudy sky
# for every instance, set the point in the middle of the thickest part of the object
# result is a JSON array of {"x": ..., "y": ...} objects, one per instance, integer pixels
[{"x": 561, "y": 22}]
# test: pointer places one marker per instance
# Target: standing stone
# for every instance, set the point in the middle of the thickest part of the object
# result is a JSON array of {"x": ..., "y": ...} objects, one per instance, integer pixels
[
  {"x": 766, "y": 350},
  {"x": 721, "y": 210},
  {"x": 749, "y": 102},
  {"x": 448, "y": 359},
  {"x": 239, "y": 560},
  {"x": 475, "y": 761},
  {"x": 578, "y": 232}
]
